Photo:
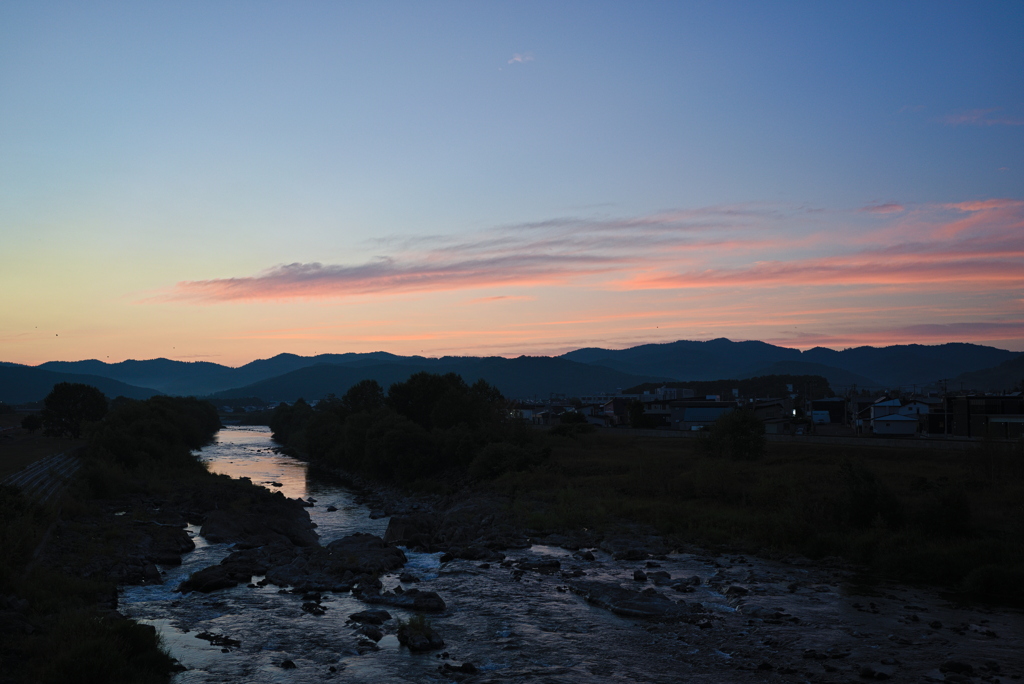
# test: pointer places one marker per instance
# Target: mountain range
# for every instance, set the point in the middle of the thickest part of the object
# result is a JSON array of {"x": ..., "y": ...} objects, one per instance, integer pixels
[{"x": 286, "y": 377}]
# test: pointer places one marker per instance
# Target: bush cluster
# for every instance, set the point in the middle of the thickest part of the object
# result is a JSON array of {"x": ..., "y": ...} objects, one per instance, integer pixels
[
  {"x": 160, "y": 432},
  {"x": 423, "y": 427}
]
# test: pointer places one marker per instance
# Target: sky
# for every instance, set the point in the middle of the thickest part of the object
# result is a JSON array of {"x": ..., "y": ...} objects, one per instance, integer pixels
[{"x": 227, "y": 181}]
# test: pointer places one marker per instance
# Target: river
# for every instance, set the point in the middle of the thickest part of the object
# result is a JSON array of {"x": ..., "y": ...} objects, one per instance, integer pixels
[{"x": 529, "y": 627}]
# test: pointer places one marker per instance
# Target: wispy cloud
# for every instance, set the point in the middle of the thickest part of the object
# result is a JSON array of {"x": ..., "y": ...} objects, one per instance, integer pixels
[
  {"x": 521, "y": 58},
  {"x": 984, "y": 249},
  {"x": 974, "y": 245},
  {"x": 555, "y": 251},
  {"x": 887, "y": 208},
  {"x": 315, "y": 280},
  {"x": 982, "y": 117},
  {"x": 502, "y": 298}
]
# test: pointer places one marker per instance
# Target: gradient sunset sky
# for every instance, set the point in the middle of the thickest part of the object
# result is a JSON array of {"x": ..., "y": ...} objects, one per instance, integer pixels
[{"x": 225, "y": 181}]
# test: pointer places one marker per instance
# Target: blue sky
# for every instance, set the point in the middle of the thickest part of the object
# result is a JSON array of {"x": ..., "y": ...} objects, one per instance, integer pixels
[{"x": 150, "y": 151}]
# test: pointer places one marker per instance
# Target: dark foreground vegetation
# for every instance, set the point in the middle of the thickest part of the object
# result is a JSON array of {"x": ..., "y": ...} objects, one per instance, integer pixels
[
  {"x": 428, "y": 430},
  {"x": 59, "y": 568},
  {"x": 949, "y": 519},
  {"x": 943, "y": 518}
]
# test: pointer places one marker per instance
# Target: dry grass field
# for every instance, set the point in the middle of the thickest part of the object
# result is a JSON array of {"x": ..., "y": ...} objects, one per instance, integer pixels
[
  {"x": 955, "y": 519},
  {"x": 19, "y": 449}
]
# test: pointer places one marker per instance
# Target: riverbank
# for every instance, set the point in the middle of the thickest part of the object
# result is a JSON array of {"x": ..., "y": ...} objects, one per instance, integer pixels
[{"x": 124, "y": 514}]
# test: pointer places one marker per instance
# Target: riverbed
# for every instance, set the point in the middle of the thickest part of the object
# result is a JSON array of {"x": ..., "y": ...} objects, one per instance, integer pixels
[{"x": 747, "y": 619}]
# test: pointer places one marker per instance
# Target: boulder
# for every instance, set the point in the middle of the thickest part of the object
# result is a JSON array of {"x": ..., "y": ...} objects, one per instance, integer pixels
[
  {"x": 413, "y": 599},
  {"x": 648, "y": 604},
  {"x": 373, "y": 617},
  {"x": 660, "y": 578},
  {"x": 338, "y": 566},
  {"x": 213, "y": 578},
  {"x": 419, "y": 636},
  {"x": 371, "y": 632},
  {"x": 366, "y": 554},
  {"x": 264, "y": 522},
  {"x": 411, "y": 531}
]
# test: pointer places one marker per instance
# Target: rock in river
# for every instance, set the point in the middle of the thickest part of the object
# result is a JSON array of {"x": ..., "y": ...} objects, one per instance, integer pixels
[{"x": 633, "y": 604}]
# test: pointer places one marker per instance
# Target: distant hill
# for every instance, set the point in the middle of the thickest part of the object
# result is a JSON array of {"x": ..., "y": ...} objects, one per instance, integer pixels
[
  {"x": 24, "y": 384},
  {"x": 869, "y": 367},
  {"x": 1006, "y": 376},
  {"x": 200, "y": 378},
  {"x": 687, "y": 360},
  {"x": 521, "y": 378},
  {"x": 606, "y": 369},
  {"x": 909, "y": 364},
  {"x": 165, "y": 375}
]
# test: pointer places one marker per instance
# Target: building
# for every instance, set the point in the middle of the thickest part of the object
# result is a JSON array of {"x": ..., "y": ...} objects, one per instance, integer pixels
[
  {"x": 696, "y": 415},
  {"x": 987, "y": 416},
  {"x": 831, "y": 410},
  {"x": 895, "y": 425}
]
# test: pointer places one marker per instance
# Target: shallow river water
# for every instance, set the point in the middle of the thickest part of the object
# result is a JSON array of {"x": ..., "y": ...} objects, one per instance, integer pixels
[{"x": 766, "y": 621}]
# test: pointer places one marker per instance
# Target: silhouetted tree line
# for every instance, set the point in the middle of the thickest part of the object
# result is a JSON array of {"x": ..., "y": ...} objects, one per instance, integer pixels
[
  {"x": 159, "y": 432},
  {"x": 426, "y": 426}
]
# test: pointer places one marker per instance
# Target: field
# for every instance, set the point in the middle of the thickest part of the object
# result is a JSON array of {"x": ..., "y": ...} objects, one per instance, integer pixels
[
  {"x": 19, "y": 449},
  {"x": 952, "y": 519}
]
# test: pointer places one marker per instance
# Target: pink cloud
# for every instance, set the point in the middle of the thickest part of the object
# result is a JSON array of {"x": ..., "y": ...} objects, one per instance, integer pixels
[
  {"x": 315, "y": 280},
  {"x": 980, "y": 246},
  {"x": 889, "y": 208},
  {"x": 842, "y": 271},
  {"x": 984, "y": 205}
]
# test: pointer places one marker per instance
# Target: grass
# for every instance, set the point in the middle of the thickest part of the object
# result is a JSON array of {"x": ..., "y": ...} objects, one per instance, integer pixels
[{"x": 953, "y": 519}]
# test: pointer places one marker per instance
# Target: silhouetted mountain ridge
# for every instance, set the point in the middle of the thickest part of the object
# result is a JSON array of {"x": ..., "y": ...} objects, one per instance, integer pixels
[
  {"x": 522, "y": 378},
  {"x": 607, "y": 369},
  {"x": 25, "y": 384}
]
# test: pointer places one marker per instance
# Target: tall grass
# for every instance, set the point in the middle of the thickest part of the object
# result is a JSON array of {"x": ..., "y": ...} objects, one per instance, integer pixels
[{"x": 934, "y": 517}]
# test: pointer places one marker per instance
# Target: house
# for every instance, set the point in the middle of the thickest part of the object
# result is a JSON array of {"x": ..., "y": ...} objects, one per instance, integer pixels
[
  {"x": 885, "y": 407},
  {"x": 895, "y": 425},
  {"x": 778, "y": 426},
  {"x": 771, "y": 409},
  {"x": 830, "y": 410},
  {"x": 616, "y": 411},
  {"x": 658, "y": 412},
  {"x": 915, "y": 407}
]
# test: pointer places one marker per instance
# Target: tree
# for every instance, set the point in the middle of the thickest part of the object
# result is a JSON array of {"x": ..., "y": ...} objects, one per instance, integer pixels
[
  {"x": 69, "y": 405},
  {"x": 365, "y": 395}
]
